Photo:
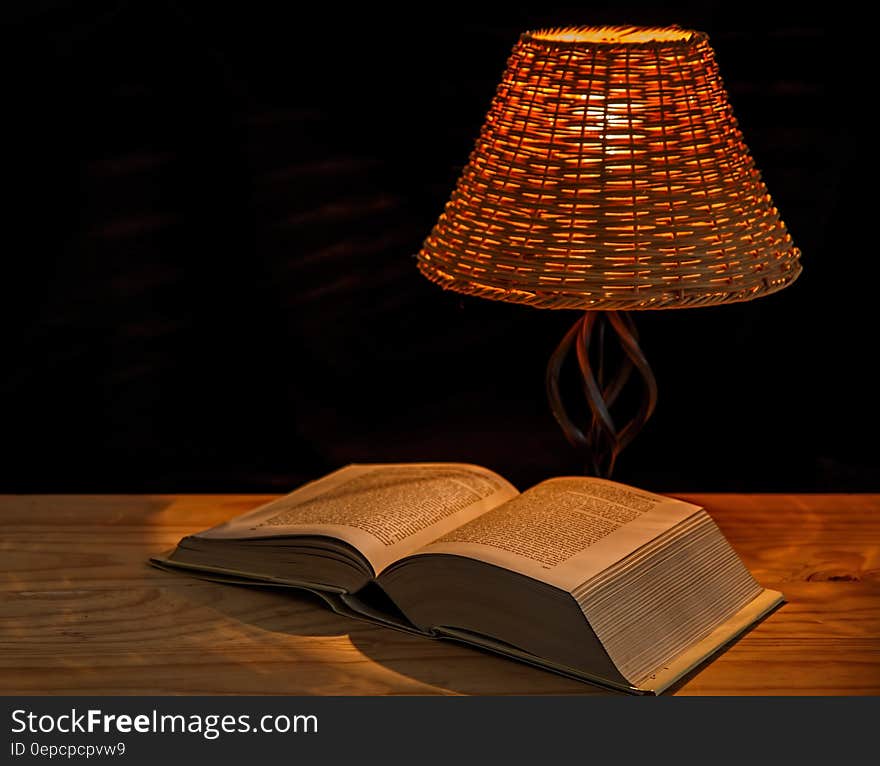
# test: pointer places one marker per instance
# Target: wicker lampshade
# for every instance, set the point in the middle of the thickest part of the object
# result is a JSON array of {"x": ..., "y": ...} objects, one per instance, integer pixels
[{"x": 610, "y": 174}]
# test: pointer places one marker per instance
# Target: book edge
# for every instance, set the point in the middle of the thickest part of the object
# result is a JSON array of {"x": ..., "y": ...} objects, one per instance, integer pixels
[
  {"x": 513, "y": 653},
  {"x": 235, "y": 576},
  {"x": 655, "y": 684},
  {"x": 663, "y": 678},
  {"x": 339, "y": 600}
]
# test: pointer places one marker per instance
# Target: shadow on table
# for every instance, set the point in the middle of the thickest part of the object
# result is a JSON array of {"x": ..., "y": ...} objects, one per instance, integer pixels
[{"x": 441, "y": 666}]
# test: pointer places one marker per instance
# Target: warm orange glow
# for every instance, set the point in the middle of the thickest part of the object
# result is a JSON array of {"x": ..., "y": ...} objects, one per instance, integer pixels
[
  {"x": 611, "y": 173},
  {"x": 613, "y": 34}
]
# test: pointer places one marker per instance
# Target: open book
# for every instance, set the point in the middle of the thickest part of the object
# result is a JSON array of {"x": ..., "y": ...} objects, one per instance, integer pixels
[{"x": 583, "y": 576}]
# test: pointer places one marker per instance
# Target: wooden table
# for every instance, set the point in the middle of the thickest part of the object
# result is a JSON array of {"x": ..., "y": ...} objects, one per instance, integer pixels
[{"x": 82, "y": 613}]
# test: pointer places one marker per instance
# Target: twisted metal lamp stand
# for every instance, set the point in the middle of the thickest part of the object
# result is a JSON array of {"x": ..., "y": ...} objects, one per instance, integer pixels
[{"x": 602, "y": 440}]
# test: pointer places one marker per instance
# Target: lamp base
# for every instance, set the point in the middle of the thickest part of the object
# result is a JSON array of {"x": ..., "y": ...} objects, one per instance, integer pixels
[{"x": 601, "y": 441}]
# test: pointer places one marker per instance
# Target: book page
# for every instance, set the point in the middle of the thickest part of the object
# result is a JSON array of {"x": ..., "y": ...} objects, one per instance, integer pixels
[
  {"x": 385, "y": 511},
  {"x": 564, "y": 531}
]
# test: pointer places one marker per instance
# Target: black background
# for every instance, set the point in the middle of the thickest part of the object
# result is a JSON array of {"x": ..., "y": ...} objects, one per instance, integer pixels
[{"x": 208, "y": 263}]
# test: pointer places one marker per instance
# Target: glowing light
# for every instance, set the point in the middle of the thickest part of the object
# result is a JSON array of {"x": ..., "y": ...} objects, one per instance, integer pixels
[
  {"x": 610, "y": 147},
  {"x": 619, "y": 34}
]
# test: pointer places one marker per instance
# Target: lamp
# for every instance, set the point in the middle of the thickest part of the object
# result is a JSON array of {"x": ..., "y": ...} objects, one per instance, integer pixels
[{"x": 610, "y": 176}]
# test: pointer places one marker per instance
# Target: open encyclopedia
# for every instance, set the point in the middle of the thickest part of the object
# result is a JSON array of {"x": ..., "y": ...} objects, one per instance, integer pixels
[{"x": 582, "y": 576}]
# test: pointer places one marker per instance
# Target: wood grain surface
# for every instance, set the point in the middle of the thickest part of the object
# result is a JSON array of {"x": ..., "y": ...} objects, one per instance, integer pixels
[{"x": 81, "y": 612}]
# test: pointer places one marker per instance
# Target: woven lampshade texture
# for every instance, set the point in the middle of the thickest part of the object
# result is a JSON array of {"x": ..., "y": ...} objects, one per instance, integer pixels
[{"x": 610, "y": 173}]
